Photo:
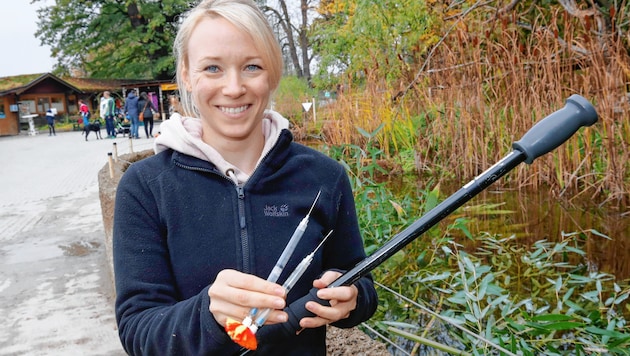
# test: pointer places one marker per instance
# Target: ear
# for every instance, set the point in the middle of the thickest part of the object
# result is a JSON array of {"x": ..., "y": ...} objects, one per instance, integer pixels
[{"x": 184, "y": 72}]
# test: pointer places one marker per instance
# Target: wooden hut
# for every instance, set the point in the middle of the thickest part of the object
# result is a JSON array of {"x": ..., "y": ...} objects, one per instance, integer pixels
[{"x": 27, "y": 97}]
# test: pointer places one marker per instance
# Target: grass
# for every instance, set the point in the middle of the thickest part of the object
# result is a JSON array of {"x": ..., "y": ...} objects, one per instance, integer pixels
[{"x": 65, "y": 123}]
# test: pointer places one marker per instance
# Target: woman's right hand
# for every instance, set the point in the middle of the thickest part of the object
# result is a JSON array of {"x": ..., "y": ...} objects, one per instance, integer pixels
[{"x": 234, "y": 293}]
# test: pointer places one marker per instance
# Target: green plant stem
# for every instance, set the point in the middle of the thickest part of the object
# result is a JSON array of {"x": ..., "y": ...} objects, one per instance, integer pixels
[
  {"x": 431, "y": 343},
  {"x": 431, "y": 312}
]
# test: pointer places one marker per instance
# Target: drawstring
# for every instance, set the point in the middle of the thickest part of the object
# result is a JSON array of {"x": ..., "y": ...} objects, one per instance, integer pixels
[{"x": 230, "y": 173}]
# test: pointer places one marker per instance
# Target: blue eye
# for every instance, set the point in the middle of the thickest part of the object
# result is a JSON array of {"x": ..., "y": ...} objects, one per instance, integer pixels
[
  {"x": 252, "y": 67},
  {"x": 212, "y": 69}
]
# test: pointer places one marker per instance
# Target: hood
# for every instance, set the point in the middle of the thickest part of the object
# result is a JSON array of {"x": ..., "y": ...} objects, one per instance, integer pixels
[{"x": 183, "y": 134}]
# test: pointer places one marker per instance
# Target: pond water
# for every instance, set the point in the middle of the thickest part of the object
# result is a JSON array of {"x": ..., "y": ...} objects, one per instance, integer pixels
[
  {"x": 530, "y": 216},
  {"x": 533, "y": 216}
]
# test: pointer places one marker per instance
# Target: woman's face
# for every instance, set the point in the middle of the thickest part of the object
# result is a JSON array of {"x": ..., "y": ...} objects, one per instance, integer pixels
[{"x": 228, "y": 80}]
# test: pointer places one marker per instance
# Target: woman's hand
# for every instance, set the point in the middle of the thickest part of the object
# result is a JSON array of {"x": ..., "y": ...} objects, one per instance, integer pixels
[
  {"x": 343, "y": 300},
  {"x": 234, "y": 293}
]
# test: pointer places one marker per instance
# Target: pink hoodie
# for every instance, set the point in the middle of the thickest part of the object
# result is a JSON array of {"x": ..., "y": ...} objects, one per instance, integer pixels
[{"x": 183, "y": 134}]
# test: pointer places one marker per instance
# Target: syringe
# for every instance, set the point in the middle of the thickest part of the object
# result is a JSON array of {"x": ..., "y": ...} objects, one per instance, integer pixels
[
  {"x": 289, "y": 283},
  {"x": 284, "y": 257}
]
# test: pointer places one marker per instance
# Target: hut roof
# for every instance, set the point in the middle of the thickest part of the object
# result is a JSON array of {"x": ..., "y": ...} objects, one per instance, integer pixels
[{"x": 18, "y": 84}]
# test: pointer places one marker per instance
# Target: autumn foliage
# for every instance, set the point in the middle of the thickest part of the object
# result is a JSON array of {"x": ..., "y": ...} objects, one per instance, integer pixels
[{"x": 459, "y": 84}]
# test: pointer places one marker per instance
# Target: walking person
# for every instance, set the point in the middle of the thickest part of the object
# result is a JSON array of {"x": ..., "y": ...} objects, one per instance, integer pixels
[
  {"x": 132, "y": 111},
  {"x": 108, "y": 110},
  {"x": 146, "y": 108},
  {"x": 85, "y": 112},
  {"x": 199, "y": 225},
  {"x": 50, "y": 119}
]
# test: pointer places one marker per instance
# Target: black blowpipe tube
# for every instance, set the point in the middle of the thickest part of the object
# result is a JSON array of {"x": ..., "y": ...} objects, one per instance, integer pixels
[{"x": 545, "y": 136}]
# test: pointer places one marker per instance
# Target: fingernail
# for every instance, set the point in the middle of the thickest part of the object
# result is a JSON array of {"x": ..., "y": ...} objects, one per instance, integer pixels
[
  {"x": 278, "y": 303},
  {"x": 282, "y": 318}
]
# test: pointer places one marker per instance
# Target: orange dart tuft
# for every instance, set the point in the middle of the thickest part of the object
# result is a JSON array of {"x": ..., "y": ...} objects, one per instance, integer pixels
[{"x": 241, "y": 334}]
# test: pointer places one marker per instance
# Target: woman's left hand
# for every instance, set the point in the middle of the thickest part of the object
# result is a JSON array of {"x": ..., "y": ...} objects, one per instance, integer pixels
[{"x": 342, "y": 300}]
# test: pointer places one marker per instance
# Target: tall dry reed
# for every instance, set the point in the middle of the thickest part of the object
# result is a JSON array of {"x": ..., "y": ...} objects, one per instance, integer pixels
[{"x": 482, "y": 90}]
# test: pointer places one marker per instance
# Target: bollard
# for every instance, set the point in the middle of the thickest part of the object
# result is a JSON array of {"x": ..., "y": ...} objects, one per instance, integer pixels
[
  {"x": 115, "y": 152},
  {"x": 111, "y": 165},
  {"x": 130, "y": 145}
]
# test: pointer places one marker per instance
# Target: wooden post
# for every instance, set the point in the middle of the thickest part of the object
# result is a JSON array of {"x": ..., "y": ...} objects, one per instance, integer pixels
[
  {"x": 111, "y": 165},
  {"x": 115, "y": 152}
]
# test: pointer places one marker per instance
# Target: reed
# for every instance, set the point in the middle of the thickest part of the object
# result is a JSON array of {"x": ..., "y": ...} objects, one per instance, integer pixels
[
  {"x": 480, "y": 91},
  {"x": 532, "y": 299},
  {"x": 483, "y": 87}
]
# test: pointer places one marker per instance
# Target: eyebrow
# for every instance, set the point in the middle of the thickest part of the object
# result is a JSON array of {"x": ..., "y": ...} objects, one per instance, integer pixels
[{"x": 248, "y": 58}]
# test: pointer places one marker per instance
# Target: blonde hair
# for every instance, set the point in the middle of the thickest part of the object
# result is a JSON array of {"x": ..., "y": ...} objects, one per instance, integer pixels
[{"x": 244, "y": 15}]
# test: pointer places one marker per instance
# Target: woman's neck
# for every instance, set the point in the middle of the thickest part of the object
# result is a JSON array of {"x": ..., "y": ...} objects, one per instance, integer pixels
[{"x": 243, "y": 154}]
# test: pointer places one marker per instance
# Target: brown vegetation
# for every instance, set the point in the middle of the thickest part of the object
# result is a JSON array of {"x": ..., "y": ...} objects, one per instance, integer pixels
[{"x": 476, "y": 95}]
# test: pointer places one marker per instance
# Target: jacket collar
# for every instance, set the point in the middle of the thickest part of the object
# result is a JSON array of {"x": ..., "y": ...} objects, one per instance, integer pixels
[
  {"x": 273, "y": 160},
  {"x": 184, "y": 134}
]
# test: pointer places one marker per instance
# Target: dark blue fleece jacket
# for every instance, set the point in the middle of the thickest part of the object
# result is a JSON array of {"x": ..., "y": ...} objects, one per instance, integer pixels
[
  {"x": 131, "y": 105},
  {"x": 178, "y": 222}
]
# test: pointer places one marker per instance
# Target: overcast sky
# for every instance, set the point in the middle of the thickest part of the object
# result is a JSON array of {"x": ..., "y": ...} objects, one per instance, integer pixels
[{"x": 21, "y": 51}]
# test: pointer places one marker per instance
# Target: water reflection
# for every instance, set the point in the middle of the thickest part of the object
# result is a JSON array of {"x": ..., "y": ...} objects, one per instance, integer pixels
[{"x": 534, "y": 216}]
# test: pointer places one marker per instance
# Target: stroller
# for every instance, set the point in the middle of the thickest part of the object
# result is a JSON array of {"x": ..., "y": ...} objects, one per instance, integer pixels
[
  {"x": 122, "y": 127},
  {"x": 122, "y": 124}
]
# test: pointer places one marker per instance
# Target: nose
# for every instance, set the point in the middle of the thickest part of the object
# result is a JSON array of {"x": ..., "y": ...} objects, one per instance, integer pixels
[{"x": 234, "y": 84}]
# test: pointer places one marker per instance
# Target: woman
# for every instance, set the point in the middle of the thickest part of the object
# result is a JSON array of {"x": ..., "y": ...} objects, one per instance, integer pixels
[
  {"x": 146, "y": 106},
  {"x": 199, "y": 226}
]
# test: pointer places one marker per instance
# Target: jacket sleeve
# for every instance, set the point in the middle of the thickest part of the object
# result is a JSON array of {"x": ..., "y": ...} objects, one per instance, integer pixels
[
  {"x": 152, "y": 318},
  {"x": 347, "y": 251},
  {"x": 342, "y": 251}
]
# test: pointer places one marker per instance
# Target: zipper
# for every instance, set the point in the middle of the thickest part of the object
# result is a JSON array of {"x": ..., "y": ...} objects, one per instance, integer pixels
[
  {"x": 240, "y": 192},
  {"x": 243, "y": 225}
]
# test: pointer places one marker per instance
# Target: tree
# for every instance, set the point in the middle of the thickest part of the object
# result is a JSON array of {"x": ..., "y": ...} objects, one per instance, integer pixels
[
  {"x": 133, "y": 38},
  {"x": 360, "y": 37},
  {"x": 112, "y": 38},
  {"x": 293, "y": 32}
]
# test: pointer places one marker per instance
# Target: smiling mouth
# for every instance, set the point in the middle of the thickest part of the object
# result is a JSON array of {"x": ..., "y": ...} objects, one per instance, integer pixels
[{"x": 232, "y": 111}]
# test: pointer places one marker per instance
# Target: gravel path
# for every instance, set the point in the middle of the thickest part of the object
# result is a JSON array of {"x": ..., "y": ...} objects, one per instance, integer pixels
[
  {"x": 55, "y": 295},
  {"x": 55, "y": 284}
]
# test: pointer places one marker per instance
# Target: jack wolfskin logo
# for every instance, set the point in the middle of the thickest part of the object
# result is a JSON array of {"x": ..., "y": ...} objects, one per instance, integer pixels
[{"x": 272, "y": 210}]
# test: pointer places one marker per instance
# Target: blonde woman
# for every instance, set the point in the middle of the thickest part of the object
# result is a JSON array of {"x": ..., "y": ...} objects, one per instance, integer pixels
[{"x": 198, "y": 227}]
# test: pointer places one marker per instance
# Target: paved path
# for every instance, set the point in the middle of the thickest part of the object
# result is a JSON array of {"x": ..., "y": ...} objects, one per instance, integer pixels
[{"x": 55, "y": 295}]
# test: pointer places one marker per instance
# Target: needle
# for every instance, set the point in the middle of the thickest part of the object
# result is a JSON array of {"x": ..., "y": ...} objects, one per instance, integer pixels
[
  {"x": 289, "y": 283},
  {"x": 284, "y": 257}
]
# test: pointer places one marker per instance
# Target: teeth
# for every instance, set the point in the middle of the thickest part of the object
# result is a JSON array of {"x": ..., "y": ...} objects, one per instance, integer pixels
[{"x": 234, "y": 110}]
